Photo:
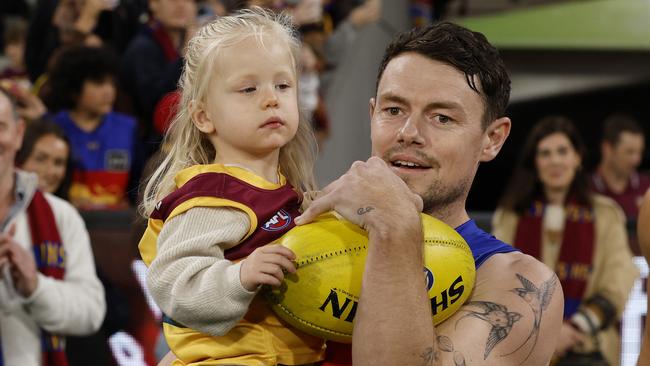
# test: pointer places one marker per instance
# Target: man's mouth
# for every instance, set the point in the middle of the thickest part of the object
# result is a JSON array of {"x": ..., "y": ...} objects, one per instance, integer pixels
[{"x": 406, "y": 164}]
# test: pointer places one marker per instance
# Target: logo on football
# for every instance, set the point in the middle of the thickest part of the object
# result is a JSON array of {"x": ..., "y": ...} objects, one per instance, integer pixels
[
  {"x": 428, "y": 278},
  {"x": 278, "y": 222}
]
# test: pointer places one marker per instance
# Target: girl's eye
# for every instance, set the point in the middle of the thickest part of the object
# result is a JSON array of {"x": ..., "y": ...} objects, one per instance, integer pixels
[
  {"x": 283, "y": 86},
  {"x": 248, "y": 90}
]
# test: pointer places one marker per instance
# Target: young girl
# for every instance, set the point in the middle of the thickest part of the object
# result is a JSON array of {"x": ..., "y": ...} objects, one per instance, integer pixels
[{"x": 232, "y": 182}]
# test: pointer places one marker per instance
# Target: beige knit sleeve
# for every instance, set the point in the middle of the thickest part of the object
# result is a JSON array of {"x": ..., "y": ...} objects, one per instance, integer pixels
[{"x": 190, "y": 279}]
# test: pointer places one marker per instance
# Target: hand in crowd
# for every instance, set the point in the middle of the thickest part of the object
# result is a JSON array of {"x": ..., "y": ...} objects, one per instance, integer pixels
[
  {"x": 569, "y": 338},
  {"x": 22, "y": 266},
  {"x": 29, "y": 106},
  {"x": 266, "y": 266},
  {"x": 368, "y": 12}
]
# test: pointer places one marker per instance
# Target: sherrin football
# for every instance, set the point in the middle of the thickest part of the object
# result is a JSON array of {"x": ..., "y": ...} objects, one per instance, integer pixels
[{"x": 321, "y": 298}]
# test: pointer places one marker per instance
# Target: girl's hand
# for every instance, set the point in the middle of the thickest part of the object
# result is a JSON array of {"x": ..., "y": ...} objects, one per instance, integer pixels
[{"x": 266, "y": 266}]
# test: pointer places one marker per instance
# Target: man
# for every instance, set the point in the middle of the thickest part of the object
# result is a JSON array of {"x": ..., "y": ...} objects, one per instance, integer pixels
[
  {"x": 438, "y": 113},
  {"x": 643, "y": 232},
  {"x": 48, "y": 285},
  {"x": 621, "y": 150}
]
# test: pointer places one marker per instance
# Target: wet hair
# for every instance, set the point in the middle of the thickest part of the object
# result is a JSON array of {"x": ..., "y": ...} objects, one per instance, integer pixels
[
  {"x": 616, "y": 124},
  {"x": 187, "y": 145},
  {"x": 467, "y": 51},
  {"x": 525, "y": 186},
  {"x": 34, "y": 131},
  {"x": 72, "y": 68}
]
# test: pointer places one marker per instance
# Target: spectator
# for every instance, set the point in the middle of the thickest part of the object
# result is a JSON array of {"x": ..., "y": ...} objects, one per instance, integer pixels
[
  {"x": 643, "y": 230},
  {"x": 15, "y": 33},
  {"x": 621, "y": 149},
  {"x": 56, "y": 293},
  {"x": 549, "y": 212},
  {"x": 64, "y": 23},
  {"x": 46, "y": 151},
  {"x": 151, "y": 64},
  {"x": 105, "y": 158}
]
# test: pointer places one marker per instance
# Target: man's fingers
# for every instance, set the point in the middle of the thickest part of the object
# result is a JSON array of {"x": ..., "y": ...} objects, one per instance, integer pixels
[{"x": 321, "y": 205}]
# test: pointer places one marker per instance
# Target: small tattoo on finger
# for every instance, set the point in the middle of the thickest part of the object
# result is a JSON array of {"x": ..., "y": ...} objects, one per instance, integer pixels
[{"x": 364, "y": 210}]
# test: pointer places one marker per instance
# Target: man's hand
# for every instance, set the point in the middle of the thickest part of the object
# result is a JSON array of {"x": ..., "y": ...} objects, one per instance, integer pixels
[
  {"x": 22, "y": 266},
  {"x": 367, "y": 189},
  {"x": 266, "y": 266}
]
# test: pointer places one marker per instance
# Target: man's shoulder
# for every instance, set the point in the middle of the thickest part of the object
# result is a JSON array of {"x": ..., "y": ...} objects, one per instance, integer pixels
[{"x": 512, "y": 265}]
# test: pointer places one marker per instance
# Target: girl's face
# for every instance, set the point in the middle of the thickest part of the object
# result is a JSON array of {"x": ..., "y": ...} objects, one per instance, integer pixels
[
  {"x": 48, "y": 160},
  {"x": 251, "y": 109},
  {"x": 97, "y": 97},
  {"x": 556, "y": 161}
]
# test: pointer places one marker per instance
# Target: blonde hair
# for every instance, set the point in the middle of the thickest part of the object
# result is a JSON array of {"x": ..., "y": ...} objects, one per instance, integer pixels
[{"x": 187, "y": 145}]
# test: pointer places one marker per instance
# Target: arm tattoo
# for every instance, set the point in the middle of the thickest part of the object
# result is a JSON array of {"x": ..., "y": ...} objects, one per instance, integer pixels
[
  {"x": 364, "y": 210},
  {"x": 496, "y": 315},
  {"x": 444, "y": 344},
  {"x": 538, "y": 299}
]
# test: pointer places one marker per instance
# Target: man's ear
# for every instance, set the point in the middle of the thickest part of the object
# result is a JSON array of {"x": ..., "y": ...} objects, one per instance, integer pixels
[
  {"x": 494, "y": 137},
  {"x": 201, "y": 117},
  {"x": 371, "y": 106}
]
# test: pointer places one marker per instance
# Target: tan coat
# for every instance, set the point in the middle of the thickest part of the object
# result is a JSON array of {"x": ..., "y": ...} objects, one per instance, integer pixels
[{"x": 613, "y": 270}]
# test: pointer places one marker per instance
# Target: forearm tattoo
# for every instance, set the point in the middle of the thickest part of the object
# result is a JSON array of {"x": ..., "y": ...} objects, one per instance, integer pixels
[{"x": 364, "y": 210}]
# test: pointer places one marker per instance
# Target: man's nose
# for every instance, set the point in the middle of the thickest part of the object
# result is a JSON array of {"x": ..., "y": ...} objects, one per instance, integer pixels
[{"x": 411, "y": 133}]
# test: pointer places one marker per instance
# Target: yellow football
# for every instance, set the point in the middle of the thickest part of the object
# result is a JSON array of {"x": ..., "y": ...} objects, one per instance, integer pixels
[{"x": 321, "y": 297}]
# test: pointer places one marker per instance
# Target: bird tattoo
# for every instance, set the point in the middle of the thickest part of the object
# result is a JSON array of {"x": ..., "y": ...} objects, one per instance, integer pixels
[
  {"x": 538, "y": 300},
  {"x": 498, "y": 317}
]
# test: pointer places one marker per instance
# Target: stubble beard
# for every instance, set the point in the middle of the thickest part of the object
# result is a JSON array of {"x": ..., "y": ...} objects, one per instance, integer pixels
[{"x": 439, "y": 198}]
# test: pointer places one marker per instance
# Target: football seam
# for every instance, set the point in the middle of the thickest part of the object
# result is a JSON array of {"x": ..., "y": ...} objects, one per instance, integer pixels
[
  {"x": 335, "y": 253},
  {"x": 457, "y": 244}
]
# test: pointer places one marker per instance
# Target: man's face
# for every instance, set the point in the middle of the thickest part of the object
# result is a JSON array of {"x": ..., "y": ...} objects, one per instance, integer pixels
[
  {"x": 11, "y": 136},
  {"x": 174, "y": 14},
  {"x": 426, "y": 124},
  {"x": 625, "y": 157}
]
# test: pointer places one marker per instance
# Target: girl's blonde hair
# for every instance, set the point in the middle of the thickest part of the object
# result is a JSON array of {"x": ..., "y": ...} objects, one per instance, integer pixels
[{"x": 187, "y": 146}]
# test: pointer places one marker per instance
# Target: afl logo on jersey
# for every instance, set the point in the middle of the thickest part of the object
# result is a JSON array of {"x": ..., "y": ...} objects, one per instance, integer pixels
[
  {"x": 428, "y": 278},
  {"x": 278, "y": 222}
]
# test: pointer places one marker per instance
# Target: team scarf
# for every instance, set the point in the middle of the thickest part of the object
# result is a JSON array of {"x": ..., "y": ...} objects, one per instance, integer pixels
[
  {"x": 574, "y": 263},
  {"x": 50, "y": 261},
  {"x": 164, "y": 41}
]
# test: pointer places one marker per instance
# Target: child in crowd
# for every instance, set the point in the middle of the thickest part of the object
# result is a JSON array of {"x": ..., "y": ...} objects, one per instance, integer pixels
[
  {"x": 240, "y": 159},
  {"x": 105, "y": 158}
]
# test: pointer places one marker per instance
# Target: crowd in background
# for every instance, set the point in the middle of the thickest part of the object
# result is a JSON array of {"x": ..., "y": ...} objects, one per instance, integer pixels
[{"x": 96, "y": 83}]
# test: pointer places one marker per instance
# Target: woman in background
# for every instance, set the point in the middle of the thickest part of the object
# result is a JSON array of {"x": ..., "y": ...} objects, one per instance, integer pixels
[
  {"x": 549, "y": 212},
  {"x": 46, "y": 152}
]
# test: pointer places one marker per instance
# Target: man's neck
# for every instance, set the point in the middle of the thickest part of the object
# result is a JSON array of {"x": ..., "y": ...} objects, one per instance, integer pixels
[
  {"x": 85, "y": 120},
  {"x": 453, "y": 214},
  {"x": 615, "y": 181}
]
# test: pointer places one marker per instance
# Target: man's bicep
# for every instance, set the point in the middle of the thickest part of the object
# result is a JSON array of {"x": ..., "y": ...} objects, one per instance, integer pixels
[{"x": 512, "y": 318}]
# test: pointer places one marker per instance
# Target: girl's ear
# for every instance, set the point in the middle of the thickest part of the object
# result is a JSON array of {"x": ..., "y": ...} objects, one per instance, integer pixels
[{"x": 201, "y": 117}]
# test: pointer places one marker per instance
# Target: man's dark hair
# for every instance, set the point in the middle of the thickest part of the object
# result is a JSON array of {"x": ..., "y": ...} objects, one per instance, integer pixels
[
  {"x": 616, "y": 124},
  {"x": 74, "y": 66},
  {"x": 469, "y": 52}
]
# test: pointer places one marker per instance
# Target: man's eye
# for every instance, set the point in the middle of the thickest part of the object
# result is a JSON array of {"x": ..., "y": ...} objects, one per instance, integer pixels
[
  {"x": 443, "y": 119},
  {"x": 393, "y": 111}
]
